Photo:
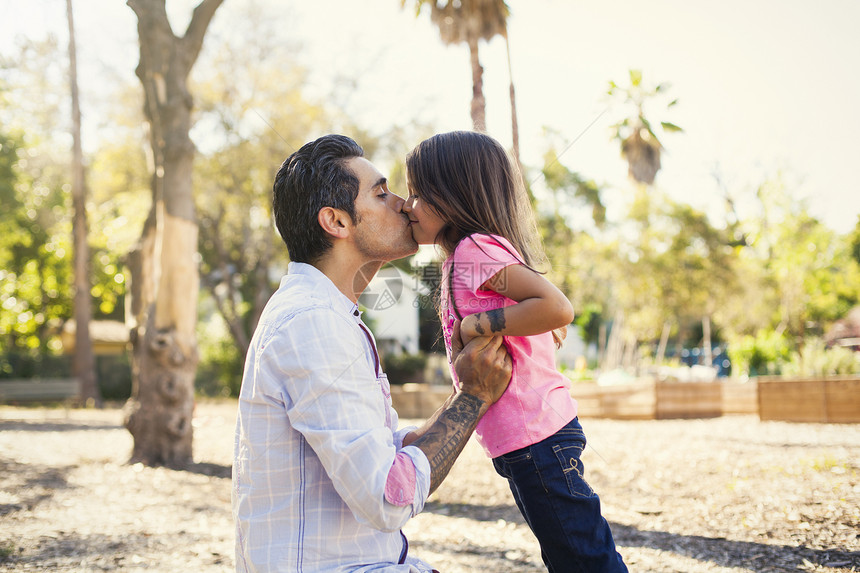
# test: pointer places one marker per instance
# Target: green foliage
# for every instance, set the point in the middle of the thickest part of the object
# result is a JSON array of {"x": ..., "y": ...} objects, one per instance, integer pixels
[
  {"x": 460, "y": 21},
  {"x": 640, "y": 143},
  {"x": 119, "y": 179},
  {"x": 854, "y": 242},
  {"x": 18, "y": 364},
  {"x": 254, "y": 112},
  {"x": 567, "y": 185},
  {"x": 219, "y": 372},
  {"x": 402, "y": 368},
  {"x": 815, "y": 359},
  {"x": 114, "y": 375},
  {"x": 816, "y": 281},
  {"x": 36, "y": 255},
  {"x": 7, "y": 549},
  {"x": 673, "y": 266},
  {"x": 760, "y": 355},
  {"x": 579, "y": 374},
  {"x": 35, "y": 250},
  {"x": 663, "y": 262},
  {"x": 588, "y": 321}
]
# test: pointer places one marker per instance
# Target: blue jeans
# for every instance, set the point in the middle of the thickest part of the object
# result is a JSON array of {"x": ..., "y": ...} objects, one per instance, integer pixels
[{"x": 561, "y": 509}]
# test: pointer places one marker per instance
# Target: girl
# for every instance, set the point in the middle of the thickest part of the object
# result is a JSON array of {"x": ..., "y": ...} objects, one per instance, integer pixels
[{"x": 465, "y": 197}]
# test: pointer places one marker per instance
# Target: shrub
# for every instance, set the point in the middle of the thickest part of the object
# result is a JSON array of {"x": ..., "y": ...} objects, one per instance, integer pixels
[
  {"x": 815, "y": 359},
  {"x": 759, "y": 355},
  {"x": 403, "y": 368}
]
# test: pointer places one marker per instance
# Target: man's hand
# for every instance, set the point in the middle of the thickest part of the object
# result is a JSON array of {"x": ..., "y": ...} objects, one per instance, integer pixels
[
  {"x": 484, "y": 370},
  {"x": 483, "y": 366},
  {"x": 470, "y": 327}
]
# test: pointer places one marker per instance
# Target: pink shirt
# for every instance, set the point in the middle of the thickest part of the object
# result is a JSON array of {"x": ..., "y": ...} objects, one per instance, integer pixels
[{"x": 538, "y": 402}]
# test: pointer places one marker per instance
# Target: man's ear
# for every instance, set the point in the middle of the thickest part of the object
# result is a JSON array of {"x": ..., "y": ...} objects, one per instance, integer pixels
[{"x": 334, "y": 222}]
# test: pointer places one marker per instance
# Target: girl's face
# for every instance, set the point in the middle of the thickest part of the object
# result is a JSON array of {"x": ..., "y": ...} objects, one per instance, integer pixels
[{"x": 424, "y": 220}]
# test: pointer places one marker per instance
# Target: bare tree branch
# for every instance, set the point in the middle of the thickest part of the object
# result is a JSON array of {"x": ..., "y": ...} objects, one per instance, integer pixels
[{"x": 193, "y": 38}]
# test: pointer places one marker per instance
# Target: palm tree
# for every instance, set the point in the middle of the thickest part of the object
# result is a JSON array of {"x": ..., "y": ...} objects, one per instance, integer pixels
[
  {"x": 468, "y": 21},
  {"x": 639, "y": 144}
]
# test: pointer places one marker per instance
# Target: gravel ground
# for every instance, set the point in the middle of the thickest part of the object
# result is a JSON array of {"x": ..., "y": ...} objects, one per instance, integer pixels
[{"x": 723, "y": 495}]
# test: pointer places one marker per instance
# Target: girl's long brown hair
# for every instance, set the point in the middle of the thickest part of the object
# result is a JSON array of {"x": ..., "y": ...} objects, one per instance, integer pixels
[{"x": 468, "y": 178}]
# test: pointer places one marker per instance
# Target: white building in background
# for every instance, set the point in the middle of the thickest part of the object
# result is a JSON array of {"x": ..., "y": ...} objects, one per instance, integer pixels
[{"x": 390, "y": 304}]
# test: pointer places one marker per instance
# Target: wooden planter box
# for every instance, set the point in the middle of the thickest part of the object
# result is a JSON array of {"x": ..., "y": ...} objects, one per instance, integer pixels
[
  {"x": 622, "y": 401},
  {"x": 645, "y": 399},
  {"x": 418, "y": 400},
  {"x": 740, "y": 397},
  {"x": 650, "y": 400},
  {"x": 663, "y": 400},
  {"x": 688, "y": 400},
  {"x": 819, "y": 400}
]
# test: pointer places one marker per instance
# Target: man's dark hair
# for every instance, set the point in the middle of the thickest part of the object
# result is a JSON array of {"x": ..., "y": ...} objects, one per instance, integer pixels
[{"x": 314, "y": 177}]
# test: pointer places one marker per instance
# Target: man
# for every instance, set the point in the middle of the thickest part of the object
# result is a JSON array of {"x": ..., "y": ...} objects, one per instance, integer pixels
[{"x": 322, "y": 478}]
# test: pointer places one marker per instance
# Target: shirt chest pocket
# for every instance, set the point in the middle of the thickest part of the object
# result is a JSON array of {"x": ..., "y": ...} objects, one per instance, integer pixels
[{"x": 385, "y": 389}]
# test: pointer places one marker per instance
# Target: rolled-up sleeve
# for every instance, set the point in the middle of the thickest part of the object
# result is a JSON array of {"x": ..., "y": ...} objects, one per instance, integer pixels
[
  {"x": 408, "y": 482},
  {"x": 334, "y": 400}
]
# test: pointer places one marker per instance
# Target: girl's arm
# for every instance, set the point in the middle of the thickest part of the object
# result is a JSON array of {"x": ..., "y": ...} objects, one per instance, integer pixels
[{"x": 540, "y": 307}]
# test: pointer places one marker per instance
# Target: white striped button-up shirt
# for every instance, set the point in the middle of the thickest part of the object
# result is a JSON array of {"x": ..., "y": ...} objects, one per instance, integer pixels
[{"x": 315, "y": 439}]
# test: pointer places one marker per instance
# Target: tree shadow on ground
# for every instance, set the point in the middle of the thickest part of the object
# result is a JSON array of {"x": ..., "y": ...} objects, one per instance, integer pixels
[
  {"x": 718, "y": 550},
  {"x": 773, "y": 443},
  {"x": 69, "y": 551},
  {"x": 492, "y": 558},
  {"x": 31, "y": 483},
  {"x": 731, "y": 553},
  {"x": 209, "y": 469},
  {"x": 55, "y": 426},
  {"x": 199, "y": 468},
  {"x": 489, "y": 513}
]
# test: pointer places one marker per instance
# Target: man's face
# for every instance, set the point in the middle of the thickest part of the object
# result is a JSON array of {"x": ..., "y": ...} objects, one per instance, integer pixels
[{"x": 381, "y": 232}]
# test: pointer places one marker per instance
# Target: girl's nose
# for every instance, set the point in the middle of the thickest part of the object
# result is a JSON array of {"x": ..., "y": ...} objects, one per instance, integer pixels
[{"x": 407, "y": 205}]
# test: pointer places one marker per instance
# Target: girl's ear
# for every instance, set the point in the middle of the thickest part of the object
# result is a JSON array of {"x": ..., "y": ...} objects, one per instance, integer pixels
[{"x": 334, "y": 222}]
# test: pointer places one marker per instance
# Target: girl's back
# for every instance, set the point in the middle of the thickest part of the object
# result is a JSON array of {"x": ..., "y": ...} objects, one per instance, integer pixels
[{"x": 537, "y": 402}]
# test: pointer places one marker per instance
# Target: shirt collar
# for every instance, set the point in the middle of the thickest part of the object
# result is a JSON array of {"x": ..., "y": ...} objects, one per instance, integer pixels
[{"x": 340, "y": 301}]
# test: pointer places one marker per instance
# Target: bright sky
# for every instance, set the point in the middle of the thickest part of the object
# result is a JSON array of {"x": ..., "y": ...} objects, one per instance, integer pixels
[{"x": 764, "y": 86}]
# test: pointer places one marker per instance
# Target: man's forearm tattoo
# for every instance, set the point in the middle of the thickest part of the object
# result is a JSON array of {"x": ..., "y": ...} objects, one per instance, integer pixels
[
  {"x": 478, "y": 328},
  {"x": 444, "y": 441},
  {"x": 497, "y": 319}
]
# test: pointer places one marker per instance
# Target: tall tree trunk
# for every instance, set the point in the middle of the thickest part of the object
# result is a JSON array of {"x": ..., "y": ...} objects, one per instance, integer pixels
[
  {"x": 515, "y": 129},
  {"x": 165, "y": 280},
  {"x": 479, "y": 120},
  {"x": 706, "y": 340},
  {"x": 601, "y": 347},
  {"x": 664, "y": 341},
  {"x": 84, "y": 360}
]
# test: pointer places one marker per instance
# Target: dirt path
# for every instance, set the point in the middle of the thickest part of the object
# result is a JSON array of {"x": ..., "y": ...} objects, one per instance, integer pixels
[{"x": 725, "y": 495}]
